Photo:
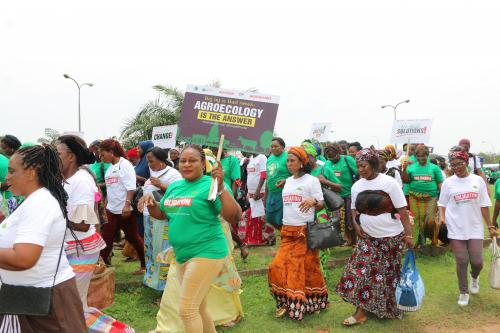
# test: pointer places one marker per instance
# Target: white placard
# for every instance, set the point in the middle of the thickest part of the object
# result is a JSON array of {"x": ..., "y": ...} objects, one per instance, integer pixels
[
  {"x": 320, "y": 131},
  {"x": 164, "y": 136},
  {"x": 411, "y": 131}
]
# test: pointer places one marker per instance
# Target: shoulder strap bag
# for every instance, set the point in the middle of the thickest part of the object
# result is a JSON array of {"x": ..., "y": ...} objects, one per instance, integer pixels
[
  {"x": 27, "y": 300},
  {"x": 333, "y": 200}
]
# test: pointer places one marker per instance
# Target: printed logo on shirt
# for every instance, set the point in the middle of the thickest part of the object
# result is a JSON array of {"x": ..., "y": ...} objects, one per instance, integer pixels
[
  {"x": 273, "y": 169},
  {"x": 292, "y": 198},
  {"x": 338, "y": 174},
  {"x": 251, "y": 170},
  {"x": 179, "y": 202},
  {"x": 111, "y": 180},
  {"x": 465, "y": 197},
  {"x": 425, "y": 178}
]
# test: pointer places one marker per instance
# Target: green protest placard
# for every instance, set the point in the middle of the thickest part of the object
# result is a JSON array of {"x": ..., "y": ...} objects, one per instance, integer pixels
[{"x": 245, "y": 118}]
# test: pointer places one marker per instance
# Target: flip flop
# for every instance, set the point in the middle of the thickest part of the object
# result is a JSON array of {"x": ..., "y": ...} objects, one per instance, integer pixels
[{"x": 351, "y": 321}]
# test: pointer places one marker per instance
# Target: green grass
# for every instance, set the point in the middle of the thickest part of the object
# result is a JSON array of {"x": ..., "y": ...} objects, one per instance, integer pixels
[{"x": 137, "y": 305}]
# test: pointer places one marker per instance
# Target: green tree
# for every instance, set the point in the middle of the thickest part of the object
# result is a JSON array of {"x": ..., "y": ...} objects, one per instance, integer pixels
[
  {"x": 51, "y": 136},
  {"x": 164, "y": 110}
]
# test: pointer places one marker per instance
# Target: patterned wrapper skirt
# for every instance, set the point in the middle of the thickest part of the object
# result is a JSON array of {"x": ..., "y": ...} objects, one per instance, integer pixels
[
  {"x": 295, "y": 278},
  {"x": 371, "y": 275},
  {"x": 255, "y": 230},
  {"x": 425, "y": 212}
]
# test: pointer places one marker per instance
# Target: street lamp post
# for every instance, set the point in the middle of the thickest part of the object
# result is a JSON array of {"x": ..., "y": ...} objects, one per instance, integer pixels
[
  {"x": 395, "y": 107},
  {"x": 79, "y": 86}
]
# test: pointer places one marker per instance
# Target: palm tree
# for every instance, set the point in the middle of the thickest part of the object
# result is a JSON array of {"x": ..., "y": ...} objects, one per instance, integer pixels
[
  {"x": 51, "y": 136},
  {"x": 164, "y": 110}
]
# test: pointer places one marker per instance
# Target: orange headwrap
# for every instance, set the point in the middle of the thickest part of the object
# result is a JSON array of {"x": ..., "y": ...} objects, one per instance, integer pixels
[
  {"x": 300, "y": 153},
  {"x": 392, "y": 149}
]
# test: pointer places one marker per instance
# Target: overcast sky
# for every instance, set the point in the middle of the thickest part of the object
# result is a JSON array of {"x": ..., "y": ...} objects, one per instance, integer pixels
[{"x": 332, "y": 61}]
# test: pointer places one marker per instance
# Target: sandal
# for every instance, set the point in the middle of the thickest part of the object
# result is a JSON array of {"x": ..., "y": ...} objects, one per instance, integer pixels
[
  {"x": 280, "y": 312},
  {"x": 351, "y": 321},
  {"x": 244, "y": 251}
]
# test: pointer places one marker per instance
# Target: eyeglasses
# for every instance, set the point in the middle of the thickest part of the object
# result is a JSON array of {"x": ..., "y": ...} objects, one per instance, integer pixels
[{"x": 457, "y": 165}]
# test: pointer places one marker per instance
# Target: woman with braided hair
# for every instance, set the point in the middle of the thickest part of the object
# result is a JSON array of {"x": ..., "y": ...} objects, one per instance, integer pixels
[
  {"x": 31, "y": 243},
  {"x": 295, "y": 277}
]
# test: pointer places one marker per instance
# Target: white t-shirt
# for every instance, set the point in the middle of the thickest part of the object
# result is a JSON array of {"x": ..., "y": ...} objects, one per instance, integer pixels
[
  {"x": 166, "y": 176},
  {"x": 120, "y": 178},
  {"x": 463, "y": 199},
  {"x": 471, "y": 163},
  {"x": 255, "y": 167},
  {"x": 393, "y": 164},
  {"x": 39, "y": 221},
  {"x": 382, "y": 225},
  {"x": 294, "y": 192},
  {"x": 81, "y": 189}
]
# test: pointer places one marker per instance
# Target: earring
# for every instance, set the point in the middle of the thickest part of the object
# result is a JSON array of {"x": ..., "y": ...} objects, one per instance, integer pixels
[{"x": 302, "y": 166}]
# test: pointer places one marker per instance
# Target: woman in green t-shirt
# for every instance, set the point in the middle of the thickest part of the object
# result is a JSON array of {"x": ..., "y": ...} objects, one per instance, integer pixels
[
  {"x": 195, "y": 233},
  {"x": 276, "y": 172},
  {"x": 424, "y": 179}
]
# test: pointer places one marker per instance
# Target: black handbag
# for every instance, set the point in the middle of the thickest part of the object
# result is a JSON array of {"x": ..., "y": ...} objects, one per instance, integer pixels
[
  {"x": 26, "y": 300},
  {"x": 324, "y": 235},
  {"x": 333, "y": 200},
  {"x": 137, "y": 196},
  {"x": 443, "y": 234}
]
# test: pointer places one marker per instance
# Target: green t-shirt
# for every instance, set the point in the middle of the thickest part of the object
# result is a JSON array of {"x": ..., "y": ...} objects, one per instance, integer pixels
[
  {"x": 194, "y": 228},
  {"x": 231, "y": 166},
  {"x": 406, "y": 186},
  {"x": 328, "y": 173},
  {"x": 424, "y": 178},
  {"x": 322, "y": 158},
  {"x": 276, "y": 170},
  {"x": 96, "y": 170},
  {"x": 4, "y": 166},
  {"x": 343, "y": 173}
]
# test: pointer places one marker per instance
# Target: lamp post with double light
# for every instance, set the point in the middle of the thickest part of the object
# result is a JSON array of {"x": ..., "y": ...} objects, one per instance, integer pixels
[{"x": 79, "y": 86}]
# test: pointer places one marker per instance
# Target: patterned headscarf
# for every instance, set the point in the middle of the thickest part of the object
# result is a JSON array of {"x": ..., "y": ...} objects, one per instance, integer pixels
[
  {"x": 385, "y": 154},
  {"x": 367, "y": 154},
  {"x": 310, "y": 149},
  {"x": 458, "y": 154},
  {"x": 300, "y": 153},
  {"x": 392, "y": 150}
]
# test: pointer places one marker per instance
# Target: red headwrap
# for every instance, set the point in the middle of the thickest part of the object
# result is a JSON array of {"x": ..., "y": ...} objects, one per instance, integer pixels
[
  {"x": 133, "y": 153},
  {"x": 458, "y": 154},
  {"x": 300, "y": 153}
]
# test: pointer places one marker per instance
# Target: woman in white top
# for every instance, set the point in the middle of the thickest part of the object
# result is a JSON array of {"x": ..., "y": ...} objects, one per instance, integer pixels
[
  {"x": 371, "y": 274},
  {"x": 31, "y": 243},
  {"x": 463, "y": 204},
  {"x": 120, "y": 188},
  {"x": 79, "y": 183},
  {"x": 156, "y": 231},
  {"x": 295, "y": 278}
]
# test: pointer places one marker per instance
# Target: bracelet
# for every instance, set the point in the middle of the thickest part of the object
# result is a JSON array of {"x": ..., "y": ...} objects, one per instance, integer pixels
[
  {"x": 127, "y": 200},
  {"x": 221, "y": 191},
  {"x": 411, "y": 237},
  {"x": 491, "y": 226}
]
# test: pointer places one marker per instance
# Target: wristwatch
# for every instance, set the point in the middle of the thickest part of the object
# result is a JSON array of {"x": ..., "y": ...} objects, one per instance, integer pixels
[{"x": 221, "y": 191}]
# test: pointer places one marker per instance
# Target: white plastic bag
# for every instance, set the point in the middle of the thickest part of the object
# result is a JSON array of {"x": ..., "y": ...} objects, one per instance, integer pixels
[{"x": 495, "y": 265}]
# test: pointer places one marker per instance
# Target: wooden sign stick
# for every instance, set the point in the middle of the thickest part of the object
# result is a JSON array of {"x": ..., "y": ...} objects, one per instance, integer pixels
[{"x": 212, "y": 194}]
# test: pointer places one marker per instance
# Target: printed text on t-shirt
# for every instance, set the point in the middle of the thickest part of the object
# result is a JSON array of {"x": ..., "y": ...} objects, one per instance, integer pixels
[
  {"x": 426, "y": 178},
  {"x": 181, "y": 202},
  {"x": 111, "y": 180},
  {"x": 467, "y": 196},
  {"x": 292, "y": 198}
]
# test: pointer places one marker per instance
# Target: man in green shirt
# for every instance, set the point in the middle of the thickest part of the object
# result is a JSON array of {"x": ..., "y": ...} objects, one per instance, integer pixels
[
  {"x": 277, "y": 173},
  {"x": 4, "y": 164},
  {"x": 344, "y": 168}
]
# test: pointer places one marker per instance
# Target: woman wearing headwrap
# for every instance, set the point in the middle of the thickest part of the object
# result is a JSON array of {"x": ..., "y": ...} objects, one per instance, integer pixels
[
  {"x": 384, "y": 157},
  {"x": 295, "y": 278},
  {"x": 344, "y": 168},
  {"x": 392, "y": 162},
  {"x": 371, "y": 274},
  {"x": 463, "y": 204},
  {"x": 424, "y": 179}
]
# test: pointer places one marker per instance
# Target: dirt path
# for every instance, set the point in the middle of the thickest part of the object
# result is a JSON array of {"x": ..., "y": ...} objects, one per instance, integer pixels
[{"x": 486, "y": 328}]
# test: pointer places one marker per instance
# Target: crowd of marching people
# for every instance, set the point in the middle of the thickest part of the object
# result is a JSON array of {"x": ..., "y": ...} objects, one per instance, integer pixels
[{"x": 182, "y": 211}]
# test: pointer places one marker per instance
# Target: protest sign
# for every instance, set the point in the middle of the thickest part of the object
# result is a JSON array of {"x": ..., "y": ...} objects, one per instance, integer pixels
[
  {"x": 245, "y": 118},
  {"x": 411, "y": 131},
  {"x": 164, "y": 136},
  {"x": 320, "y": 131}
]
